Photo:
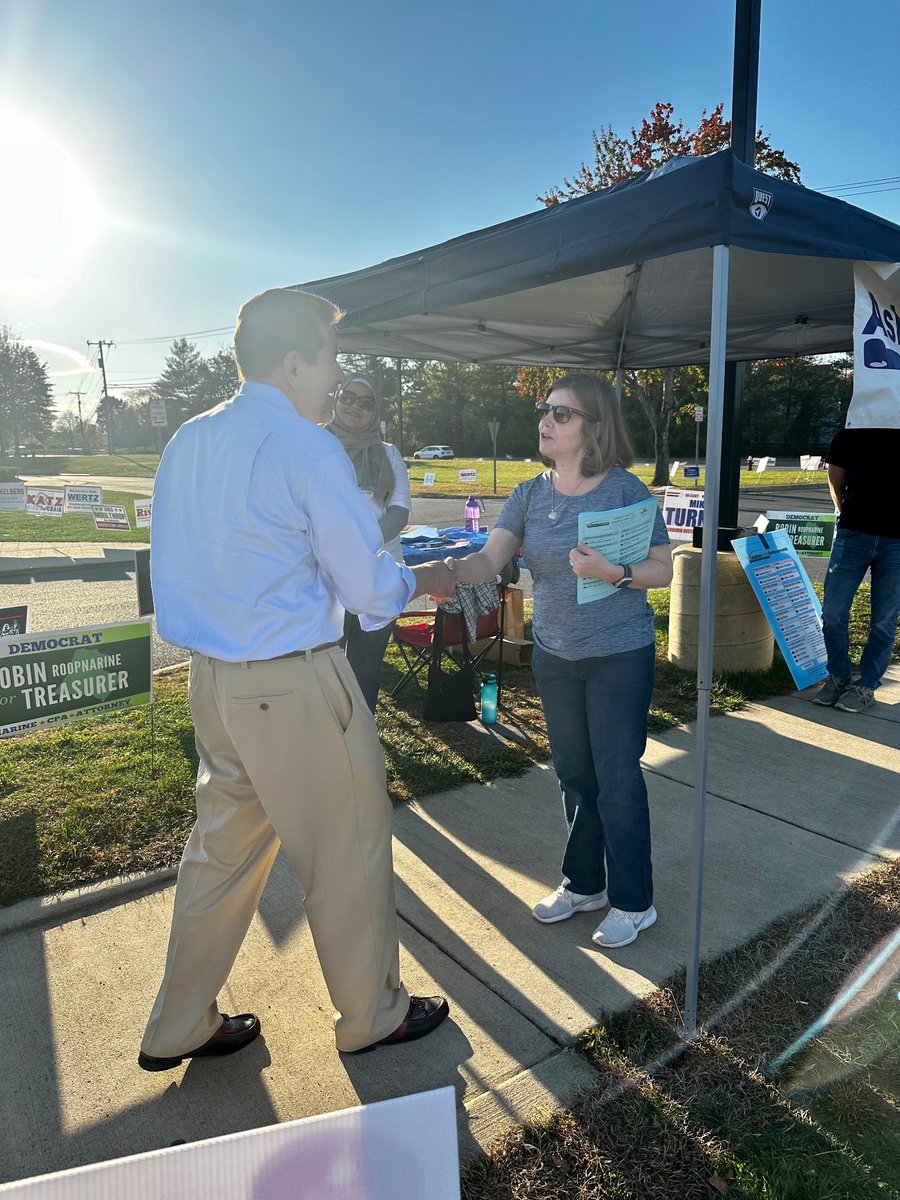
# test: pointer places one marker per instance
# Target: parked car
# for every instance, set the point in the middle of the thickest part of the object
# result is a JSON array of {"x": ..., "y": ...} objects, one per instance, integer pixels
[{"x": 434, "y": 452}]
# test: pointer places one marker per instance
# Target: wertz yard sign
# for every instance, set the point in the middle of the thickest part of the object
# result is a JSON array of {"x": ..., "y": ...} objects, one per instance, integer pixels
[{"x": 66, "y": 674}]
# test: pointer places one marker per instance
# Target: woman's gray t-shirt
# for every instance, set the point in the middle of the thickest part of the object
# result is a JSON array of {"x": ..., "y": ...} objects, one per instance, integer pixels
[{"x": 560, "y": 624}]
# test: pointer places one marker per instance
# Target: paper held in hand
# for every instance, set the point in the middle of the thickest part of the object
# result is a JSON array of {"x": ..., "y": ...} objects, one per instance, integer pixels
[{"x": 620, "y": 534}]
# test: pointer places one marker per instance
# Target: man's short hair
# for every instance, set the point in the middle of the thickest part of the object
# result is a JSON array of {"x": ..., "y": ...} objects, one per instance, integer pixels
[{"x": 276, "y": 322}]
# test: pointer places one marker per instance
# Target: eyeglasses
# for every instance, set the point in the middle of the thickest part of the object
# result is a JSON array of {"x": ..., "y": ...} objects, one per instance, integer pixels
[
  {"x": 562, "y": 413},
  {"x": 354, "y": 400}
]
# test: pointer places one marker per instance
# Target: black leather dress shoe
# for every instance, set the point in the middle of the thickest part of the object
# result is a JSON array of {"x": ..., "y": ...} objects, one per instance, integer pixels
[
  {"x": 424, "y": 1014},
  {"x": 233, "y": 1034}
]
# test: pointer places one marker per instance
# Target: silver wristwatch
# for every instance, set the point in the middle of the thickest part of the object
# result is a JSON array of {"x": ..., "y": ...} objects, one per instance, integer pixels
[{"x": 626, "y": 578}]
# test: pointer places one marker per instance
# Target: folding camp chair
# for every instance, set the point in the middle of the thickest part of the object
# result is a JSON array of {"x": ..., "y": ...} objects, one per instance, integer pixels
[{"x": 416, "y": 641}]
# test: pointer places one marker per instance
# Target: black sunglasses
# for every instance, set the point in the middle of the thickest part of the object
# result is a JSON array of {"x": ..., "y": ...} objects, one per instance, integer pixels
[
  {"x": 561, "y": 412},
  {"x": 353, "y": 400}
]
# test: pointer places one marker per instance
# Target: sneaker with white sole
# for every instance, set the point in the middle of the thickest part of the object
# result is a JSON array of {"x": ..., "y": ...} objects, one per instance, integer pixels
[
  {"x": 831, "y": 691},
  {"x": 620, "y": 928},
  {"x": 562, "y": 903},
  {"x": 856, "y": 699}
]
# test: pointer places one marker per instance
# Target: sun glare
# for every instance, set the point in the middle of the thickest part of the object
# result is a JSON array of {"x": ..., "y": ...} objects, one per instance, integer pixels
[{"x": 49, "y": 214}]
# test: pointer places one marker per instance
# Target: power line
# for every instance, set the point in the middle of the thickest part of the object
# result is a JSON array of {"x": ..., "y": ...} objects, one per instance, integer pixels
[
  {"x": 171, "y": 337},
  {"x": 837, "y": 187},
  {"x": 869, "y": 192}
]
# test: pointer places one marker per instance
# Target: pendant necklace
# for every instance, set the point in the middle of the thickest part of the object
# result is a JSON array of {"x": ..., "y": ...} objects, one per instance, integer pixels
[{"x": 554, "y": 507}]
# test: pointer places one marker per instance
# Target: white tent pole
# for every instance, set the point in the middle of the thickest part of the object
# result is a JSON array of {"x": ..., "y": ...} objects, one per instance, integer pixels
[{"x": 717, "y": 336}]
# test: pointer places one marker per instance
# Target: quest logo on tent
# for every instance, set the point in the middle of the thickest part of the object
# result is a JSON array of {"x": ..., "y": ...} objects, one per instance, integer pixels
[
  {"x": 762, "y": 202},
  {"x": 875, "y": 353}
]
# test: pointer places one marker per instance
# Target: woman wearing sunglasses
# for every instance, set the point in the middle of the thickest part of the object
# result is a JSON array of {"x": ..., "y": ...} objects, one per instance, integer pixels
[
  {"x": 384, "y": 481},
  {"x": 593, "y": 663}
]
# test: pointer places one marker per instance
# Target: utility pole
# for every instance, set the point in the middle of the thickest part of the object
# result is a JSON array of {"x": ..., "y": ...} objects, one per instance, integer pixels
[
  {"x": 80, "y": 421},
  {"x": 744, "y": 88},
  {"x": 400, "y": 403},
  {"x": 106, "y": 403}
]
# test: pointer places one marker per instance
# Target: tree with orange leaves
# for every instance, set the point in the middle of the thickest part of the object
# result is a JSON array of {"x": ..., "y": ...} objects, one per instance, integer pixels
[{"x": 659, "y": 139}]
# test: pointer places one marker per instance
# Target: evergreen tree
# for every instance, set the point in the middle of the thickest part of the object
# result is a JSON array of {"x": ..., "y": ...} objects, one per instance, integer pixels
[
  {"x": 219, "y": 379},
  {"x": 181, "y": 383},
  {"x": 26, "y": 395}
]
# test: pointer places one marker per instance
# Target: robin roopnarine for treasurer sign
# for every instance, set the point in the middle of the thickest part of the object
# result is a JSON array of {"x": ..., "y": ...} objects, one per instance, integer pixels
[
  {"x": 63, "y": 675},
  {"x": 812, "y": 534}
]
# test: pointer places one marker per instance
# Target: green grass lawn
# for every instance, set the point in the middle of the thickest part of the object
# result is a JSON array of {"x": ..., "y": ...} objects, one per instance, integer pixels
[
  {"x": 723, "y": 1116},
  {"x": 446, "y": 472},
  {"x": 665, "y": 1121},
  {"x": 137, "y": 466},
  {"x": 103, "y": 797},
  {"x": 73, "y": 527}
]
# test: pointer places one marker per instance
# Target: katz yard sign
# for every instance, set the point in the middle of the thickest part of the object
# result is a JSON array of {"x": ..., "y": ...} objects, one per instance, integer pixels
[
  {"x": 44, "y": 502},
  {"x": 66, "y": 674}
]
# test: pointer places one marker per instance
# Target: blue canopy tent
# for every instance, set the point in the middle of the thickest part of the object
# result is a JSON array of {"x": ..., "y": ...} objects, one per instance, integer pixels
[
  {"x": 622, "y": 277},
  {"x": 701, "y": 260}
]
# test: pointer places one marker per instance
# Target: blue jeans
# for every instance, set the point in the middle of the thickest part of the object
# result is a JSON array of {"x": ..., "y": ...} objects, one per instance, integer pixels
[
  {"x": 852, "y": 554},
  {"x": 365, "y": 654},
  {"x": 596, "y": 711}
]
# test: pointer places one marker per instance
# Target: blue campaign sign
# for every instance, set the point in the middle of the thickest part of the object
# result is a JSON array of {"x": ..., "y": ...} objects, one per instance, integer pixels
[
  {"x": 788, "y": 600},
  {"x": 692, "y": 472}
]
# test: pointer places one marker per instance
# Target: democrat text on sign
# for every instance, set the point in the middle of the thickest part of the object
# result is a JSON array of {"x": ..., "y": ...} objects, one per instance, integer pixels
[
  {"x": 811, "y": 534},
  {"x": 67, "y": 674}
]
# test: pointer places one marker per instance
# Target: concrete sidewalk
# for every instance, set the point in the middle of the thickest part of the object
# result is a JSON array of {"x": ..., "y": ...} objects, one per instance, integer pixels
[
  {"x": 801, "y": 798},
  {"x": 39, "y": 558}
]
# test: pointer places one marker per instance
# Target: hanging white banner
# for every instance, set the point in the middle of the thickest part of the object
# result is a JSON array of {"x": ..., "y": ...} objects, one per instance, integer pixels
[{"x": 876, "y": 347}]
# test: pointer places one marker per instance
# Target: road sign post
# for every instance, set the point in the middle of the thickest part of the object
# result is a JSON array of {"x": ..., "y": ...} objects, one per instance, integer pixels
[
  {"x": 494, "y": 429},
  {"x": 698, "y": 420}
]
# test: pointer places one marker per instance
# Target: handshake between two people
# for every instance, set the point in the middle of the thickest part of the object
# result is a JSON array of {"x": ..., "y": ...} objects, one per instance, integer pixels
[{"x": 436, "y": 579}]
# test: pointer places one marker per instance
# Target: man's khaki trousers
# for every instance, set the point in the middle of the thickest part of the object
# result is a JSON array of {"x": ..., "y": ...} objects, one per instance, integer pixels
[{"x": 289, "y": 754}]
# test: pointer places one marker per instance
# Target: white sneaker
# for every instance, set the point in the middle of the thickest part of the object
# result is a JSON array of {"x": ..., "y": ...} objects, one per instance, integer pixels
[
  {"x": 562, "y": 904},
  {"x": 620, "y": 928}
]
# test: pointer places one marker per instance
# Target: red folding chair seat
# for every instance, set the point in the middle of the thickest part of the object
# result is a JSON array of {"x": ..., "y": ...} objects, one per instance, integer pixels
[{"x": 416, "y": 641}]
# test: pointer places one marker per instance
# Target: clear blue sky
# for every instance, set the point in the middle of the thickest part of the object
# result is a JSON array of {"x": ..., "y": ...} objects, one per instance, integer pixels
[{"x": 237, "y": 146}]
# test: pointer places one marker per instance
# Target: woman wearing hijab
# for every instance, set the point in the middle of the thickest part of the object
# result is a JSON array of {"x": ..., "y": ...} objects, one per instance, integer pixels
[{"x": 384, "y": 481}]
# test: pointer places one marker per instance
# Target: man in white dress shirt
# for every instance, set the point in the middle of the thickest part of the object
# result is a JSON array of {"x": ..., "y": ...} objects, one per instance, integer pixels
[{"x": 260, "y": 542}]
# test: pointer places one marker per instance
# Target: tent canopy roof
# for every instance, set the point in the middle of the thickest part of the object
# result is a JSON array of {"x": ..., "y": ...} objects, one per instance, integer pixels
[{"x": 623, "y": 276}]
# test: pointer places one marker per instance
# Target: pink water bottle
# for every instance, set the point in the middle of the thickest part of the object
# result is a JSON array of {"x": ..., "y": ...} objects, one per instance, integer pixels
[{"x": 473, "y": 514}]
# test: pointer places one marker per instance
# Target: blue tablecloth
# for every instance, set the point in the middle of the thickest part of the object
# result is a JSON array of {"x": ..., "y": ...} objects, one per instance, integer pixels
[{"x": 454, "y": 542}]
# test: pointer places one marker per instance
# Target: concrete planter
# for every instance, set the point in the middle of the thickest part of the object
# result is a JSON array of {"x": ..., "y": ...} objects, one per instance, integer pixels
[{"x": 743, "y": 638}]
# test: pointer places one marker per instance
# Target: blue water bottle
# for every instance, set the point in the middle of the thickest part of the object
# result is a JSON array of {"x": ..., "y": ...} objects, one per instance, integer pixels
[{"x": 489, "y": 699}]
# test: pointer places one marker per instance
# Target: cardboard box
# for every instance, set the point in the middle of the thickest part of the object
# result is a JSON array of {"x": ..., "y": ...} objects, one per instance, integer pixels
[
  {"x": 514, "y": 621},
  {"x": 516, "y": 651}
]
